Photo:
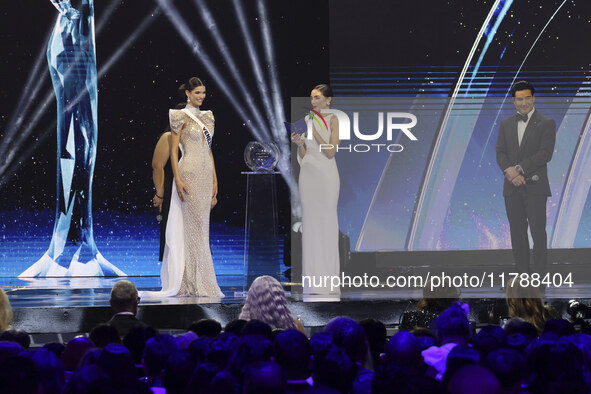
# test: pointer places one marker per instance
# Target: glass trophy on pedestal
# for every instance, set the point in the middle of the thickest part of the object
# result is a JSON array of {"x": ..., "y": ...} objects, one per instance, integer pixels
[{"x": 261, "y": 245}]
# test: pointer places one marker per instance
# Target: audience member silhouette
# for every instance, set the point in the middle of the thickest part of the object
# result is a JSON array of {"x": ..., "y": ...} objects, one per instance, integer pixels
[{"x": 124, "y": 302}]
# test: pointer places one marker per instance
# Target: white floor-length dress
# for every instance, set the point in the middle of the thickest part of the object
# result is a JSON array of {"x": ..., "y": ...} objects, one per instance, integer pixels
[{"x": 319, "y": 186}]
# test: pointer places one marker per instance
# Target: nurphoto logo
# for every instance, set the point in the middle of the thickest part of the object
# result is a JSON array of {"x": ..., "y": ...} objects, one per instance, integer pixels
[{"x": 395, "y": 123}]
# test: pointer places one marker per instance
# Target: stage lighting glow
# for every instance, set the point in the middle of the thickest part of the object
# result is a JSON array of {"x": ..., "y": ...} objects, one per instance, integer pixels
[
  {"x": 254, "y": 60},
  {"x": 10, "y": 150},
  {"x": 422, "y": 192},
  {"x": 8, "y": 146},
  {"x": 238, "y": 78},
  {"x": 277, "y": 129},
  {"x": 193, "y": 42}
]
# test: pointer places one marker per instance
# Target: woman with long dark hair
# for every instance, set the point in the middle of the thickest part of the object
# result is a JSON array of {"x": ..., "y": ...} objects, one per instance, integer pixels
[{"x": 187, "y": 265}]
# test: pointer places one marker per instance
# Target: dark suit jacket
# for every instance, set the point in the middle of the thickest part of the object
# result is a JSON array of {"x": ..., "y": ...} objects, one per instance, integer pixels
[
  {"x": 124, "y": 323},
  {"x": 534, "y": 153}
]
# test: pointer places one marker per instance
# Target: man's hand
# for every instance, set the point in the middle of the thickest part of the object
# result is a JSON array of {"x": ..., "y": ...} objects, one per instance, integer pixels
[
  {"x": 510, "y": 173},
  {"x": 519, "y": 180}
]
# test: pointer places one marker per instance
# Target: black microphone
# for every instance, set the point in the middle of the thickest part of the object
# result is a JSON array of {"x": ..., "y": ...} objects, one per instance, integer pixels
[{"x": 532, "y": 179}]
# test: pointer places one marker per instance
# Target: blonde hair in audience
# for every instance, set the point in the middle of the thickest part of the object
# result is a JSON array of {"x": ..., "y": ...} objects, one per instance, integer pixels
[{"x": 5, "y": 311}]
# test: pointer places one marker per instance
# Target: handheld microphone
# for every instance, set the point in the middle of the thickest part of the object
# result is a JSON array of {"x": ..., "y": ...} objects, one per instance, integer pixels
[{"x": 532, "y": 179}]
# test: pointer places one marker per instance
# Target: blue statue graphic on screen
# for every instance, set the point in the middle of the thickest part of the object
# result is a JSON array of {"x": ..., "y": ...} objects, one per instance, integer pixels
[{"x": 72, "y": 64}]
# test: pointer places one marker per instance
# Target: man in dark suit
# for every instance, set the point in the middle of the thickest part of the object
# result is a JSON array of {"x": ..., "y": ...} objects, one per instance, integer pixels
[
  {"x": 124, "y": 301},
  {"x": 525, "y": 146}
]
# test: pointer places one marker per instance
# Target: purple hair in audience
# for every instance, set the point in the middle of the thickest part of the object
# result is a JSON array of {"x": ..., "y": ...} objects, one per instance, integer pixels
[{"x": 266, "y": 302}]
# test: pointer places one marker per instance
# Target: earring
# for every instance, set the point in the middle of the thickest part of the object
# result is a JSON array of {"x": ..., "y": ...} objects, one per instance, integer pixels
[{"x": 188, "y": 100}]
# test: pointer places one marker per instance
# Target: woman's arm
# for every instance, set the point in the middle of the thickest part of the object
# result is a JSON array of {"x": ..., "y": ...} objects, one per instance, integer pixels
[
  {"x": 334, "y": 138},
  {"x": 181, "y": 189},
  {"x": 159, "y": 159},
  {"x": 215, "y": 182},
  {"x": 299, "y": 141}
]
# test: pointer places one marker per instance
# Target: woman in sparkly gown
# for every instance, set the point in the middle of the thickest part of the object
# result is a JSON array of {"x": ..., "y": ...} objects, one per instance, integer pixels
[{"x": 187, "y": 266}]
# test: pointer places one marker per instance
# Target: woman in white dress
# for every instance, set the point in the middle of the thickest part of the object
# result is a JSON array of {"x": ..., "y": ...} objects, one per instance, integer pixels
[
  {"x": 319, "y": 186},
  {"x": 187, "y": 265}
]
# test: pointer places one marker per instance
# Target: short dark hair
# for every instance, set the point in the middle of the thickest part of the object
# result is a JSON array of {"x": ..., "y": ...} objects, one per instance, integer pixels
[
  {"x": 157, "y": 351},
  {"x": 522, "y": 85},
  {"x": 293, "y": 351},
  {"x": 206, "y": 328}
]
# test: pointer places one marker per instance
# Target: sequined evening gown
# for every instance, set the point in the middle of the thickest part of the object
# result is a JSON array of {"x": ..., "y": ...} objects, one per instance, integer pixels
[
  {"x": 196, "y": 172},
  {"x": 187, "y": 265}
]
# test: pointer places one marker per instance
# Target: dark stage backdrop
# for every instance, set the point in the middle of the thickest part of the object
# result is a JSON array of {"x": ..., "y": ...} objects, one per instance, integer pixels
[{"x": 134, "y": 96}]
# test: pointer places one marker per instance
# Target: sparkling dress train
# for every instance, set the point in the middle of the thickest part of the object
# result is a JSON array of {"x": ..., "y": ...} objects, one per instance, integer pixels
[{"x": 187, "y": 266}]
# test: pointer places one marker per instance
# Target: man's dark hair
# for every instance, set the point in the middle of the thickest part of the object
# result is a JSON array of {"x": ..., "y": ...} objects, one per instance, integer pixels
[
  {"x": 293, "y": 351},
  {"x": 558, "y": 328},
  {"x": 350, "y": 336},
  {"x": 335, "y": 369},
  {"x": 157, "y": 351},
  {"x": 522, "y": 85},
  {"x": 235, "y": 326},
  {"x": 508, "y": 366},
  {"x": 257, "y": 327},
  {"x": 16, "y": 336},
  {"x": 18, "y": 375},
  {"x": 489, "y": 339},
  {"x": 103, "y": 334},
  {"x": 135, "y": 341},
  {"x": 375, "y": 332},
  {"x": 50, "y": 370},
  {"x": 206, "y": 328},
  {"x": 264, "y": 377},
  {"x": 178, "y": 371},
  {"x": 116, "y": 361}
]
